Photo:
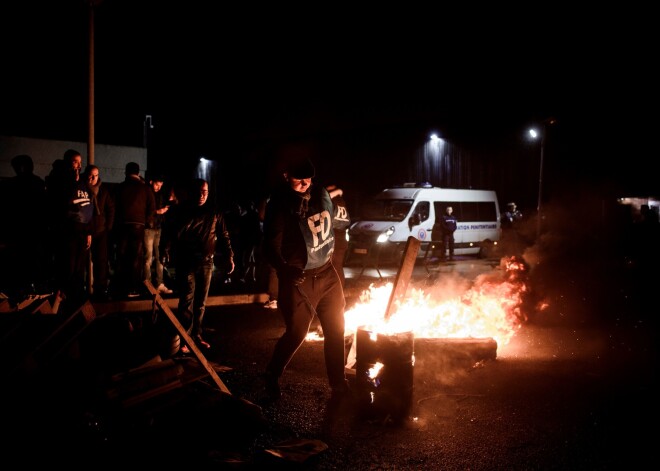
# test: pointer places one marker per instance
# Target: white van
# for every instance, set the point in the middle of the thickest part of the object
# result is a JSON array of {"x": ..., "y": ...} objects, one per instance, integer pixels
[{"x": 397, "y": 213}]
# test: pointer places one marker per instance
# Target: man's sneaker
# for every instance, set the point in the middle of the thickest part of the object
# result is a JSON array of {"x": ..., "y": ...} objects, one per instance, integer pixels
[
  {"x": 164, "y": 289},
  {"x": 201, "y": 342},
  {"x": 133, "y": 294},
  {"x": 272, "y": 304}
]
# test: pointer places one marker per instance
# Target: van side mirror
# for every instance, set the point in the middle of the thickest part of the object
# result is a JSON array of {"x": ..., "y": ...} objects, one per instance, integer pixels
[{"x": 413, "y": 221}]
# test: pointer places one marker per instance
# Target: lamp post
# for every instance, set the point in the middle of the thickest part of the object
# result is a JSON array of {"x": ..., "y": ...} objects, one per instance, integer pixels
[{"x": 534, "y": 134}]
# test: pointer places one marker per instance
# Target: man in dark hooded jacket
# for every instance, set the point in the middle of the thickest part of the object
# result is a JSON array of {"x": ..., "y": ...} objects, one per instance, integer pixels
[{"x": 298, "y": 243}]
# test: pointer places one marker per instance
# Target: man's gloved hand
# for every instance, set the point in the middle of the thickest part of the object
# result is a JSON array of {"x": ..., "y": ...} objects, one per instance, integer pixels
[
  {"x": 295, "y": 274},
  {"x": 165, "y": 258}
]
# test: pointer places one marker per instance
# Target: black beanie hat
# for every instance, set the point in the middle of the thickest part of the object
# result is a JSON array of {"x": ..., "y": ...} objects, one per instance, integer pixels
[{"x": 301, "y": 169}]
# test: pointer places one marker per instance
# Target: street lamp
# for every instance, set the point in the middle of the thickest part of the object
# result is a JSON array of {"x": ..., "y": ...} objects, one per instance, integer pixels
[
  {"x": 433, "y": 150},
  {"x": 534, "y": 134},
  {"x": 148, "y": 124}
]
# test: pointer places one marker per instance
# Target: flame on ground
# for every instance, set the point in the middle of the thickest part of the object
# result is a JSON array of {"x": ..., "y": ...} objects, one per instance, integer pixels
[{"x": 491, "y": 308}]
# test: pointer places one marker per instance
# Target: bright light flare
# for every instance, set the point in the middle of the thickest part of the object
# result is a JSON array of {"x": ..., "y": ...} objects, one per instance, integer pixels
[{"x": 374, "y": 370}]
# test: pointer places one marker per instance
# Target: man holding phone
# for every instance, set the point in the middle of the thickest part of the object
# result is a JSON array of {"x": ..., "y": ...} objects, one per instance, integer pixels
[{"x": 152, "y": 235}]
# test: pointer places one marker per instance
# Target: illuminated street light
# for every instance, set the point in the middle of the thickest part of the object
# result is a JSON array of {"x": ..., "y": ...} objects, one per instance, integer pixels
[
  {"x": 534, "y": 134},
  {"x": 430, "y": 169}
]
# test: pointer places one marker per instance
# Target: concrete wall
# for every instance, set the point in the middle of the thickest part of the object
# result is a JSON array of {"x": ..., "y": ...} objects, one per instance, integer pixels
[{"x": 111, "y": 160}]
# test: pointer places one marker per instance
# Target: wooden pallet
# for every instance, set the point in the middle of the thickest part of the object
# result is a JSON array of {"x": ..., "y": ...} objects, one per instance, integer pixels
[
  {"x": 247, "y": 406},
  {"x": 59, "y": 340}
]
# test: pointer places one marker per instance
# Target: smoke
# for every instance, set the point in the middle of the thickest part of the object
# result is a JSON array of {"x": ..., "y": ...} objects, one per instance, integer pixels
[{"x": 571, "y": 260}]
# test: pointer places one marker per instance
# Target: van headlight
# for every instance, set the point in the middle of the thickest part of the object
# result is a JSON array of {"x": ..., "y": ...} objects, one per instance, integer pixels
[{"x": 385, "y": 235}]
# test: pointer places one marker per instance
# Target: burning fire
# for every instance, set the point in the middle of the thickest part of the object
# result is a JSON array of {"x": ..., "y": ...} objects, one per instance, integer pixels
[{"x": 491, "y": 308}]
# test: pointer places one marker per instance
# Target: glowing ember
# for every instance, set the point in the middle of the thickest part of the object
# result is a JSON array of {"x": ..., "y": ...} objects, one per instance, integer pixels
[{"x": 491, "y": 308}]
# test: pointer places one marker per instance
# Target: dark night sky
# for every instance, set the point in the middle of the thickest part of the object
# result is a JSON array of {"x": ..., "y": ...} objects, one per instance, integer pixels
[{"x": 369, "y": 86}]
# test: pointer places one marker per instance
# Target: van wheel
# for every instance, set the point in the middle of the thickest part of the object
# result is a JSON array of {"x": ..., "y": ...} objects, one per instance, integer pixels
[{"x": 487, "y": 249}]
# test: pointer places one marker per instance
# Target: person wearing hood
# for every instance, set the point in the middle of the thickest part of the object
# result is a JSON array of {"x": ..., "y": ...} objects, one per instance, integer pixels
[{"x": 299, "y": 243}]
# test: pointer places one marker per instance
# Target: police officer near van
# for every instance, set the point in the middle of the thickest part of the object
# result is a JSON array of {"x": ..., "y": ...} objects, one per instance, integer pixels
[
  {"x": 448, "y": 224},
  {"x": 512, "y": 240},
  {"x": 299, "y": 242}
]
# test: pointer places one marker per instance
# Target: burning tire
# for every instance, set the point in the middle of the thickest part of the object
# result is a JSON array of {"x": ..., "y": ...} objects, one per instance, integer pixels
[{"x": 487, "y": 249}]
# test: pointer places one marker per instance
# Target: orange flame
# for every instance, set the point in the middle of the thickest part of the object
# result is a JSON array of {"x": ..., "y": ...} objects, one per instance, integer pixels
[{"x": 491, "y": 308}]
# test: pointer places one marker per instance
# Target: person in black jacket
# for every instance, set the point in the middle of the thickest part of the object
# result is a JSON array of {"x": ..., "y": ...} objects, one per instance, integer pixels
[
  {"x": 72, "y": 226},
  {"x": 24, "y": 264},
  {"x": 135, "y": 207},
  {"x": 191, "y": 236},
  {"x": 104, "y": 217},
  {"x": 448, "y": 224},
  {"x": 299, "y": 242}
]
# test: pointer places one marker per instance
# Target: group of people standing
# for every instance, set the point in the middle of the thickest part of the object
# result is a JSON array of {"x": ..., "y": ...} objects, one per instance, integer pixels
[
  {"x": 304, "y": 227},
  {"x": 108, "y": 229},
  {"x": 79, "y": 238}
]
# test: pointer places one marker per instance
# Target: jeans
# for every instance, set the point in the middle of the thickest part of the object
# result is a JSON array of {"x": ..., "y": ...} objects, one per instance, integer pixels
[
  {"x": 193, "y": 282},
  {"x": 151, "y": 242},
  {"x": 448, "y": 244}
]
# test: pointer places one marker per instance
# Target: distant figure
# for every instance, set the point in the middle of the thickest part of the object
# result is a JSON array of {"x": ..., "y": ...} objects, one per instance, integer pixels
[
  {"x": 648, "y": 215},
  {"x": 512, "y": 240},
  {"x": 271, "y": 274},
  {"x": 192, "y": 235},
  {"x": 232, "y": 216},
  {"x": 340, "y": 222},
  {"x": 104, "y": 218},
  {"x": 648, "y": 232},
  {"x": 23, "y": 199},
  {"x": 252, "y": 235},
  {"x": 511, "y": 216},
  {"x": 448, "y": 224}
]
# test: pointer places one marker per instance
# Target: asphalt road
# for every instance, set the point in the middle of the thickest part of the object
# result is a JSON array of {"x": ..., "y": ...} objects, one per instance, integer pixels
[{"x": 574, "y": 389}]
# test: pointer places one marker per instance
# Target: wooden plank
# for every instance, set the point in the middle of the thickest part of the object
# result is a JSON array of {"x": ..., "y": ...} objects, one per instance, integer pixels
[
  {"x": 151, "y": 393},
  {"x": 42, "y": 307},
  {"x": 186, "y": 338},
  {"x": 60, "y": 339},
  {"x": 32, "y": 300},
  {"x": 404, "y": 273},
  {"x": 145, "y": 380},
  {"x": 5, "y": 305},
  {"x": 143, "y": 305}
]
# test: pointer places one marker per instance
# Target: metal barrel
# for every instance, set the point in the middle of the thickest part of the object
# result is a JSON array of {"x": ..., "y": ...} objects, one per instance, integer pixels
[{"x": 384, "y": 373}]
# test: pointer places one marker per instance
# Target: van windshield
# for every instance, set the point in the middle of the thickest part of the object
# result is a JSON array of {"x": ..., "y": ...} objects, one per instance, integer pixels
[{"x": 387, "y": 210}]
